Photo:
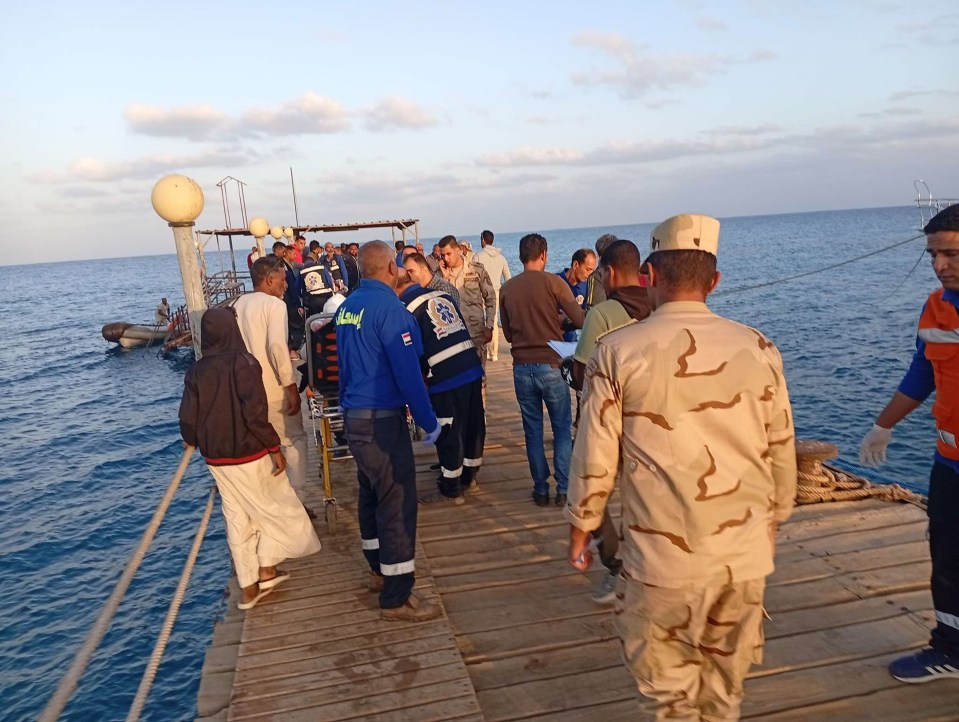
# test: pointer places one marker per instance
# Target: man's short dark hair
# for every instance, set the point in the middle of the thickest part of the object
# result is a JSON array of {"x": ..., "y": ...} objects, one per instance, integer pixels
[
  {"x": 398, "y": 245},
  {"x": 420, "y": 260},
  {"x": 487, "y": 237},
  {"x": 264, "y": 267},
  {"x": 446, "y": 241},
  {"x": 354, "y": 244},
  {"x": 945, "y": 220},
  {"x": 684, "y": 270},
  {"x": 581, "y": 255},
  {"x": 623, "y": 256},
  {"x": 279, "y": 245},
  {"x": 603, "y": 242},
  {"x": 314, "y": 245},
  {"x": 531, "y": 247},
  {"x": 300, "y": 238}
]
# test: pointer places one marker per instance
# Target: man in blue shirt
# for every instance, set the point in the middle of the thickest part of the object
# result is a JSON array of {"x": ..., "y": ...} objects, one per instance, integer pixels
[
  {"x": 935, "y": 367},
  {"x": 576, "y": 276},
  {"x": 379, "y": 348},
  {"x": 454, "y": 376}
]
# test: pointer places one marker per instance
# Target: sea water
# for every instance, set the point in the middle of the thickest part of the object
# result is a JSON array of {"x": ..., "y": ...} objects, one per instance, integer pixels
[{"x": 90, "y": 439}]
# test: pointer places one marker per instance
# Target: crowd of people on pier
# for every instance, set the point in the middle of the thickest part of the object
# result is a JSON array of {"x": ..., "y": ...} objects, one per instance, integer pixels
[{"x": 683, "y": 412}]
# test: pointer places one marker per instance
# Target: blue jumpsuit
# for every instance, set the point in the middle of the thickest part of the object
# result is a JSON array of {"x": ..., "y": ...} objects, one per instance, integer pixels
[{"x": 379, "y": 348}]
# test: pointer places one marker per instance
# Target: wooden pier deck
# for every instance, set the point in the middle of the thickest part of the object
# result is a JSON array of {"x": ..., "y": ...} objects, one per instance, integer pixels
[{"x": 520, "y": 638}]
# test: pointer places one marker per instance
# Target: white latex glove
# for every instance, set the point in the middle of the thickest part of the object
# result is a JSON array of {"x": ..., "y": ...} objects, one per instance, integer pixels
[
  {"x": 431, "y": 437},
  {"x": 873, "y": 449}
]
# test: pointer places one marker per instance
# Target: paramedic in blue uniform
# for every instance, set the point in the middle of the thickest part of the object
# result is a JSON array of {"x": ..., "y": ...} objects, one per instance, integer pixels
[
  {"x": 454, "y": 375},
  {"x": 934, "y": 368},
  {"x": 379, "y": 348},
  {"x": 316, "y": 284}
]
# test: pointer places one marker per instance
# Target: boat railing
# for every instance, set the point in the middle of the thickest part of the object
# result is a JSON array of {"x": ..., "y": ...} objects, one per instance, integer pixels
[
  {"x": 220, "y": 288},
  {"x": 927, "y": 204},
  {"x": 180, "y": 332}
]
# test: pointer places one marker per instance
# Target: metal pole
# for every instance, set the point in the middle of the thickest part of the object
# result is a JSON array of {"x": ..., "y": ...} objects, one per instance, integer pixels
[
  {"x": 190, "y": 274},
  {"x": 296, "y": 213}
]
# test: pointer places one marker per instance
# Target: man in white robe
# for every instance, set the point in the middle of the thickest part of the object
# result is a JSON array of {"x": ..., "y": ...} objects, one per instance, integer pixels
[{"x": 262, "y": 317}]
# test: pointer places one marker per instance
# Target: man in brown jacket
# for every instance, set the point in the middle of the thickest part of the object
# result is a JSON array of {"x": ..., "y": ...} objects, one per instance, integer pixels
[{"x": 528, "y": 304}]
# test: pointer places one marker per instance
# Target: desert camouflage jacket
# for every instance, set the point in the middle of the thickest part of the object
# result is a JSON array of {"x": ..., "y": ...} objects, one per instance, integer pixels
[
  {"x": 477, "y": 298},
  {"x": 690, "y": 412}
]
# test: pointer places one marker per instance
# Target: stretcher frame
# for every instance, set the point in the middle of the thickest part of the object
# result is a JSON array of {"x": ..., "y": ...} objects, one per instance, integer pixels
[{"x": 325, "y": 410}]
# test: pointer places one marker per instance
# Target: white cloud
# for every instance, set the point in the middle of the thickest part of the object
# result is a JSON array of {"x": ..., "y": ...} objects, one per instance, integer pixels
[
  {"x": 82, "y": 192},
  {"x": 371, "y": 187},
  {"x": 763, "y": 129},
  {"x": 641, "y": 71},
  {"x": 939, "y": 30},
  {"x": 308, "y": 114},
  {"x": 195, "y": 122},
  {"x": 711, "y": 25},
  {"x": 910, "y": 94},
  {"x": 725, "y": 141},
  {"x": 531, "y": 157},
  {"x": 392, "y": 113},
  {"x": 97, "y": 170}
]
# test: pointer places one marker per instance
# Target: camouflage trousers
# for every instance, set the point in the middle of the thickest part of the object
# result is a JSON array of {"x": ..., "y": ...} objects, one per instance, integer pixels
[{"x": 690, "y": 649}]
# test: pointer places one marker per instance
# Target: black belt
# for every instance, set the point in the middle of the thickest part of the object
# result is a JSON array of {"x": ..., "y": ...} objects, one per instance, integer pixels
[{"x": 373, "y": 413}]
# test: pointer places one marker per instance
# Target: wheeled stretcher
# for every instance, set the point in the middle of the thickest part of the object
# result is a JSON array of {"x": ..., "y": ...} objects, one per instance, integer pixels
[{"x": 325, "y": 411}]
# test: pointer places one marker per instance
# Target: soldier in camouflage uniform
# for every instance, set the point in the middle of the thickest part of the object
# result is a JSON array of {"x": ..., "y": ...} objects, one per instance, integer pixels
[
  {"x": 477, "y": 298},
  {"x": 690, "y": 412}
]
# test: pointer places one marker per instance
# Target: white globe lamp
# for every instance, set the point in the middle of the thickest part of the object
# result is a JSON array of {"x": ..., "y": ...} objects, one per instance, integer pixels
[
  {"x": 177, "y": 199},
  {"x": 259, "y": 227}
]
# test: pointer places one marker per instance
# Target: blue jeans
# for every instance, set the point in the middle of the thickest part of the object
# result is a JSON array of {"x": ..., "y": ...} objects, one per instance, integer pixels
[{"x": 536, "y": 384}]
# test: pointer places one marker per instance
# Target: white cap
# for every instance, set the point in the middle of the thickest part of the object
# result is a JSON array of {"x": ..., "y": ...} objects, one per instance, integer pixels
[{"x": 688, "y": 232}]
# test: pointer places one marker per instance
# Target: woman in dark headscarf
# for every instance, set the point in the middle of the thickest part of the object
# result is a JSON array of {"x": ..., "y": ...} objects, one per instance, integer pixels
[{"x": 224, "y": 414}]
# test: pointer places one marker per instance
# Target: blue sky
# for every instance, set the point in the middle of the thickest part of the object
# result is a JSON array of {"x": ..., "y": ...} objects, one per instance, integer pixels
[{"x": 504, "y": 115}]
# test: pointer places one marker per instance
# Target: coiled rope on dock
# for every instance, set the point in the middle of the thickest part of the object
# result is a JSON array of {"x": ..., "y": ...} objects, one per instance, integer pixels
[{"x": 818, "y": 483}]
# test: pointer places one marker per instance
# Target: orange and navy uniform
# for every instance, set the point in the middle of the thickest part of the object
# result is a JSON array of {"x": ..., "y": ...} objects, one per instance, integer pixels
[{"x": 935, "y": 367}]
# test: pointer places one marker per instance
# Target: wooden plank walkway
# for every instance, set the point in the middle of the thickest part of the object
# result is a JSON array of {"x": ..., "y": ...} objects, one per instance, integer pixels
[{"x": 521, "y": 639}]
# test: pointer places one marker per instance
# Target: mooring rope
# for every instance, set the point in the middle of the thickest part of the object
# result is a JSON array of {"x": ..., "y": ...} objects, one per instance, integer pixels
[
  {"x": 69, "y": 682},
  {"x": 786, "y": 279},
  {"x": 819, "y": 483},
  {"x": 149, "y": 674}
]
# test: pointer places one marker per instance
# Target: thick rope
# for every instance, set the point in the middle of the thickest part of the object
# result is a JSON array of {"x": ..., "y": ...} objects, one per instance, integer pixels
[
  {"x": 69, "y": 682},
  {"x": 153, "y": 665},
  {"x": 840, "y": 264},
  {"x": 818, "y": 483}
]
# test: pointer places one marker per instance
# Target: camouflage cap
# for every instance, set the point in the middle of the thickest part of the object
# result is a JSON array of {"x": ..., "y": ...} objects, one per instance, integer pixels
[{"x": 688, "y": 232}]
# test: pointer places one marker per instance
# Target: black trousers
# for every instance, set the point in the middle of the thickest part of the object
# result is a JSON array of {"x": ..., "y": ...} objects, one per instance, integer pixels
[
  {"x": 386, "y": 508},
  {"x": 608, "y": 536},
  {"x": 944, "y": 550},
  {"x": 460, "y": 445},
  {"x": 296, "y": 326}
]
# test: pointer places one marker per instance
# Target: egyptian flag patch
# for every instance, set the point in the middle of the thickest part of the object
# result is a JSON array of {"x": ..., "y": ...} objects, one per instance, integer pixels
[{"x": 407, "y": 339}]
